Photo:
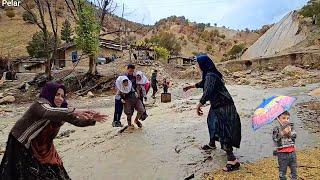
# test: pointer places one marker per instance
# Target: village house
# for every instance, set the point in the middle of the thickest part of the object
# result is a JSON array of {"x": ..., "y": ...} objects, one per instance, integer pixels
[
  {"x": 32, "y": 65},
  {"x": 68, "y": 54},
  {"x": 179, "y": 61},
  {"x": 143, "y": 55}
]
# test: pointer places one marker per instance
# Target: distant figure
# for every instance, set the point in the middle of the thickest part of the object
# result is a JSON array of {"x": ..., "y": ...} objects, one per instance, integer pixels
[
  {"x": 154, "y": 83},
  {"x": 135, "y": 56},
  {"x": 165, "y": 85}
]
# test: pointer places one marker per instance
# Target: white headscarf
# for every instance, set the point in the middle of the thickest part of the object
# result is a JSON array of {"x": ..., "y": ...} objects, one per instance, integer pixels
[
  {"x": 143, "y": 79},
  {"x": 121, "y": 87}
]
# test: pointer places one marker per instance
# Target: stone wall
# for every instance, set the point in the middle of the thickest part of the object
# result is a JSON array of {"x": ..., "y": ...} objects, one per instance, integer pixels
[{"x": 303, "y": 60}]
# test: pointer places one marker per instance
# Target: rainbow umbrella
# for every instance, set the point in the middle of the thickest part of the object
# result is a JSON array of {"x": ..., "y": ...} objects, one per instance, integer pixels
[{"x": 270, "y": 109}]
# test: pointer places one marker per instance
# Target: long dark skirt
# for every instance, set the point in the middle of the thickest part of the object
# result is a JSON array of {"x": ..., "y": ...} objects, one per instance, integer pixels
[
  {"x": 18, "y": 163},
  {"x": 224, "y": 126}
]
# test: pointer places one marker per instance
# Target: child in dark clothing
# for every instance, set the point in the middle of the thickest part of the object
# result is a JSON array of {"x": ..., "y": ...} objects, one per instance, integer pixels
[
  {"x": 284, "y": 137},
  {"x": 165, "y": 86}
]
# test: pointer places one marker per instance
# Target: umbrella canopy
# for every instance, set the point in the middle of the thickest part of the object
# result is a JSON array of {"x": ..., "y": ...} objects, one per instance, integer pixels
[{"x": 270, "y": 109}]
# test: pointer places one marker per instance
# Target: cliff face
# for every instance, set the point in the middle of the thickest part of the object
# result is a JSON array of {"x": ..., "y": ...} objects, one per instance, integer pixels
[{"x": 281, "y": 36}]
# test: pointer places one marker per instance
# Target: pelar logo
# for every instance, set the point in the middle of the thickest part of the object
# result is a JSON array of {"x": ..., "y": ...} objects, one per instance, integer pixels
[{"x": 11, "y": 3}]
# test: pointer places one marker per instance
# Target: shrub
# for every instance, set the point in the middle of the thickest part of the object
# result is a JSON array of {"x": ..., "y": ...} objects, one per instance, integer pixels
[
  {"x": 168, "y": 41},
  {"x": 36, "y": 46},
  {"x": 29, "y": 17},
  {"x": 10, "y": 13},
  {"x": 66, "y": 31},
  {"x": 209, "y": 48},
  {"x": 162, "y": 52},
  {"x": 312, "y": 9},
  {"x": 238, "y": 48}
]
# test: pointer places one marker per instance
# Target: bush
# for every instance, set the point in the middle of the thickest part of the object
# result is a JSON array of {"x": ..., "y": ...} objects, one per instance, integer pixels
[
  {"x": 59, "y": 12},
  {"x": 201, "y": 27},
  {"x": 238, "y": 48},
  {"x": 222, "y": 36},
  {"x": 29, "y": 17},
  {"x": 36, "y": 46},
  {"x": 168, "y": 41},
  {"x": 66, "y": 31},
  {"x": 311, "y": 9},
  {"x": 209, "y": 48},
  {"x": 10, "y": 13},
  {"x": 162, "y": 52}
]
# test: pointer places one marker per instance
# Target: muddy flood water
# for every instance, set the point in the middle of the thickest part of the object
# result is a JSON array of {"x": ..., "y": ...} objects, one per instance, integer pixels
[{"x": 168, "y": 145}]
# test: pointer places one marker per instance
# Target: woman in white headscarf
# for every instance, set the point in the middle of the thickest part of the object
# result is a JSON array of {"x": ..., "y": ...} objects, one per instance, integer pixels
[
  {"x": 141, "y": 81},
  {"x": 130, "y": 100}
]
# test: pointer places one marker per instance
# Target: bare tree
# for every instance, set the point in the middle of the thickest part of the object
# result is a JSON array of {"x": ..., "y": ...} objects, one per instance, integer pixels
[{"x": 42, "y": 7}]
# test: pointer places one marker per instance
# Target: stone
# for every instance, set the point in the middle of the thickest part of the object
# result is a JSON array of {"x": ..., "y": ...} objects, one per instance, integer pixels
[
  {"x": 315, "y": 93},
  {"x": 237, "y": 75},
  {"x": 7, "y": 100},
  {"x": 271, "y": 68},
  {"x": 244, "y": 81},
  {"x": 294, "y": 71},
  {"x": 90, "y": 94},
  {"x": 1, "y": 95}
]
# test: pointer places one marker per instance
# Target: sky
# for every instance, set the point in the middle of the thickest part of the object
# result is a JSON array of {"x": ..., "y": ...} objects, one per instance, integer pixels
[{"x": 235, "y": 14}]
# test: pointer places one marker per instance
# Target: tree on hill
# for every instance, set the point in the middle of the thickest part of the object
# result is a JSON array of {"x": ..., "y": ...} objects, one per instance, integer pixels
[
  {"x": 28, "y": 17},
  {"x": 38, "y": 47},
  {"x": 87, "y": 31},
  {"x": 236, "y": 49},
  {"x": 43, "y": 8},
  {"x": 66, "y": 31},
  {"x": 168, "y": 41},
  {"x": 312, "y": 10}
]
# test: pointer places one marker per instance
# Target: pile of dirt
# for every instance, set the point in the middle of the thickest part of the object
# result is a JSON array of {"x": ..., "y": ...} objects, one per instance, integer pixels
[{"x": 308, "y": 168}]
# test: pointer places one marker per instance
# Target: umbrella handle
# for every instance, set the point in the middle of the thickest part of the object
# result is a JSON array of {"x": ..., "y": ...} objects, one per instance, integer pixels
[{"x": 279, "y": 122}]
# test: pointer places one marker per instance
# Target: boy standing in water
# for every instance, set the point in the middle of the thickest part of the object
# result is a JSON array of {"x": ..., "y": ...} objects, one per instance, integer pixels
[{"x": 284, "y": 137}]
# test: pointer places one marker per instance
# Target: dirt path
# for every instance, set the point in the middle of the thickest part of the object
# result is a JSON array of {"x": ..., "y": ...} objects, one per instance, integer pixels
[{"x": 168, "y": 146}]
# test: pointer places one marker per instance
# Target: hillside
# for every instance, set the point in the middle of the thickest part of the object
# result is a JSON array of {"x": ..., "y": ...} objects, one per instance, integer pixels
[
  {"x": 192, "y": 37},
  {"x": 298, "y": 31},
  {"x": 16, "y": 33},
  {"x": 281, "y": 36},
  {"x": 198, "y": 37}
]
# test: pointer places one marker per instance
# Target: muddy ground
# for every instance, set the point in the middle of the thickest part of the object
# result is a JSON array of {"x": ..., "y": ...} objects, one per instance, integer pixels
[{"x": 168, "y": 146}]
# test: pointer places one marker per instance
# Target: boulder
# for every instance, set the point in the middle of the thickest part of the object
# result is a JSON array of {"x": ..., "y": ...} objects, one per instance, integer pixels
[
  {"x": 271, "y": 68},
  {"x": 315, "y": 93},
  {"x": 7, "y": 100},
  {"x": 294, "y": 71},
  {"x": 237, "y": 75},
  {"x": 90, "y": 94}
]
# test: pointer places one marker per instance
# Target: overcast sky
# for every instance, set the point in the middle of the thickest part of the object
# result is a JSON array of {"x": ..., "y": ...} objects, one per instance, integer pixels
[{"x": 236, "y": 14}]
